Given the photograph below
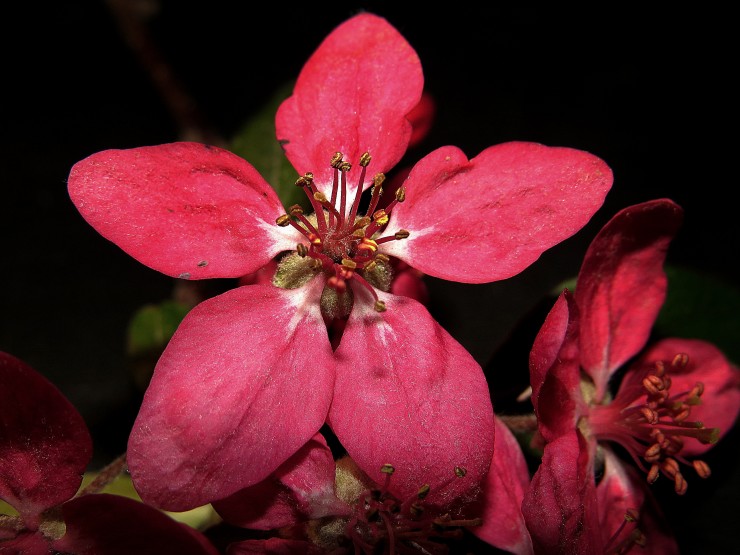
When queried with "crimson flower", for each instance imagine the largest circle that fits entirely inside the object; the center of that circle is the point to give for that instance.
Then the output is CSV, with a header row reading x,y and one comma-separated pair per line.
x,y
250,376
44,449
657,415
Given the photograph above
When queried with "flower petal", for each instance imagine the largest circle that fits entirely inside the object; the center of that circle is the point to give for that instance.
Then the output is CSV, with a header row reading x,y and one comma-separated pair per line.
x,y
409,395
721,379
555,371
273,546
560,505
503,492
184,209
352,96
489,218
44,442
621,286
244,383
116,525
301,489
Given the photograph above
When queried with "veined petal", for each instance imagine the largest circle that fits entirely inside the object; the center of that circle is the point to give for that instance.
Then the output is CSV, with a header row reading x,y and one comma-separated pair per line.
x,y
44,442
352,96
185,209
116,525
489,218
244,383
301,489
560,505
409,395
503,492
555,371
621,286
720,402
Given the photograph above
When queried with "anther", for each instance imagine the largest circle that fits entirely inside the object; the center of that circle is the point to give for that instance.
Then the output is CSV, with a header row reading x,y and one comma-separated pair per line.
x,y
321,197
679,484
460,472
401,234
416,510
296,210
380,217
358,233
653,474
382,257
336,160
652,451
301,249
368,245
349,263
401,194
378,179
362,222
345,166
283,220
379,306
423,491
631,515
650,416
702,469
365,159
370,266
680,361
387,468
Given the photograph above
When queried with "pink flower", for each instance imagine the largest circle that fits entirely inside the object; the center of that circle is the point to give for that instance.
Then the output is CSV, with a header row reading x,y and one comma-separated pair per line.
x,y
661,414
250,376
44,449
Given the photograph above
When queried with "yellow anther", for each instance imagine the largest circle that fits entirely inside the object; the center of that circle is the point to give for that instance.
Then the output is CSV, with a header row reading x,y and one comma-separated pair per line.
x,y
423,491
387,469
370,266
367,245
336,160
321,197
349,263
460,472
358,233
382,257
401,234
315,239
400,194
345,166
296,210
301,182
378,179
301,249
365,159
379,306
283,220
380,217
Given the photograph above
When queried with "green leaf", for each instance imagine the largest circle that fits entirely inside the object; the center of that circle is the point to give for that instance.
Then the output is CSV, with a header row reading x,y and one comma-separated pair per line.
x,y
257,143
701,306
152,326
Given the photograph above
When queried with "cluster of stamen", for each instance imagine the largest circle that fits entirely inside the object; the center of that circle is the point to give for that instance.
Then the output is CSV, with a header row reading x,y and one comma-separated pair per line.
x,y
627,536
653,431
344,244
384,524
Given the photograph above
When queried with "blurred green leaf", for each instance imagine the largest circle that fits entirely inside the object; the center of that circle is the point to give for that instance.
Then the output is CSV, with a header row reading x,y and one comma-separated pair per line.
x,y
701,306
257,143
152,326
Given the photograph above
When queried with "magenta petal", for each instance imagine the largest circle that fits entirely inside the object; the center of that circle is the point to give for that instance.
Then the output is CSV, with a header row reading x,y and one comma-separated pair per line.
x,y
301,489
409,395
44,442
555,371
503,492
244,383
185,209
273,546
560,505
104,524
489,218
352,96
621,286
721,379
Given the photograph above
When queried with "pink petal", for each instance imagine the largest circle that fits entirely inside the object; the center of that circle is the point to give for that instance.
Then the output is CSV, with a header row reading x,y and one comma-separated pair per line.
x,y
489,218
409,395
184,209
421,118
621,286
302,489
555,371
352,96
244,383
25,543
107,524
560,505
503,493
44,442
273,546
721,398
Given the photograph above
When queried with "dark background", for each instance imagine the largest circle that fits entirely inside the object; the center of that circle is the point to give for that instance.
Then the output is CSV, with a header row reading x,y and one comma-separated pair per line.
x,y
651,92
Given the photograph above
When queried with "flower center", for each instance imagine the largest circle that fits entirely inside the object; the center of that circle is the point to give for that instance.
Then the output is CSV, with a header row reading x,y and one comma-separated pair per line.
x,y
382,523
651,422
339,241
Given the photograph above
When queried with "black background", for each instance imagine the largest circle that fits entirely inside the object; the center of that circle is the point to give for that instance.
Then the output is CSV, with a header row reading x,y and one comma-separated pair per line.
x,y
651,92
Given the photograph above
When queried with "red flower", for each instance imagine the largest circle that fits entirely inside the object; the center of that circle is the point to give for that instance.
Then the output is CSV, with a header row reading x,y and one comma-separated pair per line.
x,y
250,376
656,415
44,449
